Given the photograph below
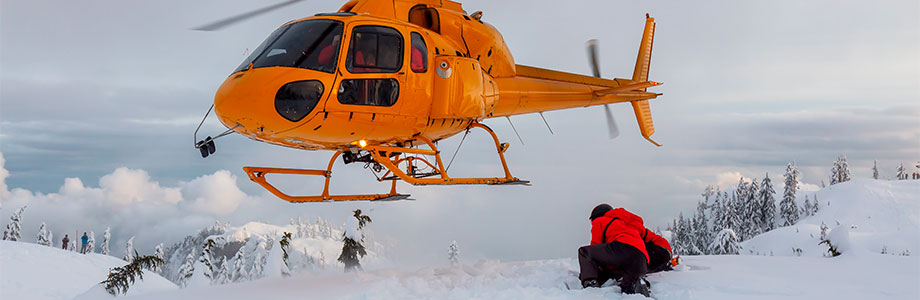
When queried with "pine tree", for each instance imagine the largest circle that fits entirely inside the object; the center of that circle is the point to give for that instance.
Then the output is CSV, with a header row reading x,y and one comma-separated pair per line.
x,y
453,254
13,230
258,261
752,210
767,204
105,241
42,237
238,271
158,252
353,249
840,172
129,250
223,275
816,205
702,233
91,243
835,172
726,242
874,169
902,173
207,258
789,210
285,244
806,208
186,270
121,278
718,213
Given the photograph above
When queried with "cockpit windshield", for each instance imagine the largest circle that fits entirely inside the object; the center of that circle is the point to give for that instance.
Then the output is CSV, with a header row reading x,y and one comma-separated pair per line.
x,y
310,44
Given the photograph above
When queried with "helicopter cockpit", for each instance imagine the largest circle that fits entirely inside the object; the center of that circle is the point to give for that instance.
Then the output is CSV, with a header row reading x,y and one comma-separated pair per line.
x,y
311,44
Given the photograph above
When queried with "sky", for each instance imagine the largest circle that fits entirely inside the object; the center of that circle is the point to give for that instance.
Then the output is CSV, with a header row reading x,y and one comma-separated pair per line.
x,y
99,101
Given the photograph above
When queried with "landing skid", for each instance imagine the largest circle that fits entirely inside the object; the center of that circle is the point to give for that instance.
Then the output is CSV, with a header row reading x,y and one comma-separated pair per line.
x,y
391,158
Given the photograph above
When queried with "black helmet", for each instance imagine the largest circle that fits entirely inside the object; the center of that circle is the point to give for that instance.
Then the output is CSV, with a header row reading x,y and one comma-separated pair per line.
x,y
600,210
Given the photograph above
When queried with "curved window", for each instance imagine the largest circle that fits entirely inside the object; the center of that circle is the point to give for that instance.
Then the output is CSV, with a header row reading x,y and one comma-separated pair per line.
x,y
311,44
374,92
374,49
419,58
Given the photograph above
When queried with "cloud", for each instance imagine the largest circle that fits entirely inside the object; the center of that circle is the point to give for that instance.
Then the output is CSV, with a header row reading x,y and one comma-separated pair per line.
x,y
216,194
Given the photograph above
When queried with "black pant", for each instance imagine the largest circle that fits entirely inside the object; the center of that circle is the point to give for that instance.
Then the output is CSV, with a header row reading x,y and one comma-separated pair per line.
x,y
659,258
605,261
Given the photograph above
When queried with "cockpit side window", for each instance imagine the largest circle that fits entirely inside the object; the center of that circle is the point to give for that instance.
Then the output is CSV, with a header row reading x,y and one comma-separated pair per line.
x,y
419,57
374,49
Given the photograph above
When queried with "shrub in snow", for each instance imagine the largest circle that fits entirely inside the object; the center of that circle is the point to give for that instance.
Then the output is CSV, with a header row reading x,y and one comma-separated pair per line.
x,y
837,241
121,278
453,253
353,249
13,230
43,237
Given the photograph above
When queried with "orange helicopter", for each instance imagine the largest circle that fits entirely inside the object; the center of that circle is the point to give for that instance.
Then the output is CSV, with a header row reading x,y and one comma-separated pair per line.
x,y
381,81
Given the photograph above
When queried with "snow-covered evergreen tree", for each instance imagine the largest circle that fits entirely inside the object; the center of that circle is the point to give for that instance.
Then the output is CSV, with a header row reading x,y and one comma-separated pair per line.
x,y
186,270
238,269
129,250
207,259
353,248
106,237
875,169
752,211
902,173
223,275
806,208
702,233
13,230
840,172
726,242
767,204
816,205
91,244
285,244
158,252
42,238
453,253
274,263
788,209
258,261
718,213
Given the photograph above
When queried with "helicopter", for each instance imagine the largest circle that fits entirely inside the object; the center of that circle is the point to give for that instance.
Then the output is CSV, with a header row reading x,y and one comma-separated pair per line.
x,y
380,82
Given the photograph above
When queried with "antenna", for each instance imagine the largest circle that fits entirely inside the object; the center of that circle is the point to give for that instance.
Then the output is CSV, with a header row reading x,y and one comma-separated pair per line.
x,y
515,129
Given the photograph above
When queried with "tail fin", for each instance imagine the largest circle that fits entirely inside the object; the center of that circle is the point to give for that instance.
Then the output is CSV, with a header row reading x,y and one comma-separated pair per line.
x,y
640,74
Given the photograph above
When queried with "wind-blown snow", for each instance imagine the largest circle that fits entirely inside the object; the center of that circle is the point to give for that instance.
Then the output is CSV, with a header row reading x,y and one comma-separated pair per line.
x,y
35,272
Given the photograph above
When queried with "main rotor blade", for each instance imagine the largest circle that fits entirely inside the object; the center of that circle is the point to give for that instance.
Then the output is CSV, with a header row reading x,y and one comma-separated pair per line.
x,y
235,19
592,57
611,123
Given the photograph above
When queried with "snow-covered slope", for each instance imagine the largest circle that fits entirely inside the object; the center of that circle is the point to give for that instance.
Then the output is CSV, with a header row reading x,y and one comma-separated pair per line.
x,y
876,214
35,272
704,277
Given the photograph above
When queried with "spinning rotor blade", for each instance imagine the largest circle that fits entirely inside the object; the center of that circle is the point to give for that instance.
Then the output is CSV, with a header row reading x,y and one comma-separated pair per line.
x,y
241,17
612,128
592,57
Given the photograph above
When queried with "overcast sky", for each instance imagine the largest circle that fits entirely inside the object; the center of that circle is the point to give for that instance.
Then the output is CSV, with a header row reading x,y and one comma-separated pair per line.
x,y
108,93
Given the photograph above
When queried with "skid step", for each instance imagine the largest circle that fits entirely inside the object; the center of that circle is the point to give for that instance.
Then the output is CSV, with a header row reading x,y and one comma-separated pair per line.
x,y
395,198
515,182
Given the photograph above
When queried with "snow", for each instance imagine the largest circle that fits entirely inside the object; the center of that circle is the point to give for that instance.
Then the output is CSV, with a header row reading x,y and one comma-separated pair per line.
x,y
35,272
870,214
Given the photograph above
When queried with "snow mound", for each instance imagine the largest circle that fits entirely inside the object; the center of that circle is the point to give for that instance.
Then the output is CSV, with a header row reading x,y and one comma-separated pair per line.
x,y
35,272
865,215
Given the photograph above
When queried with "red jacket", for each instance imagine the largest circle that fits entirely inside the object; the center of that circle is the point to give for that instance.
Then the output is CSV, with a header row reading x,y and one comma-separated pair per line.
x,y
650,237
621,226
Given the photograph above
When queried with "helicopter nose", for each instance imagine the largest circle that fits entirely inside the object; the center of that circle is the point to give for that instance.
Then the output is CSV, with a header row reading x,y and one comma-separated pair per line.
x,y
267,101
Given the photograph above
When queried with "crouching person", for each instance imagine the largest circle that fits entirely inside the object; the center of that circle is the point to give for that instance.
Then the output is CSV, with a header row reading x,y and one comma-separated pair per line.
x,y
659,252
616,251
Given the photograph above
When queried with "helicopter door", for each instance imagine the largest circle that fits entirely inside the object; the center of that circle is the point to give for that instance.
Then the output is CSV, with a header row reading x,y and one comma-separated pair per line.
x,y
458,88
374,70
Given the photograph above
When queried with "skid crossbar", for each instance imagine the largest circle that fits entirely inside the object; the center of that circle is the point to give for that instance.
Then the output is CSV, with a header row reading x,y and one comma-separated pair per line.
x,y
257,174
380,155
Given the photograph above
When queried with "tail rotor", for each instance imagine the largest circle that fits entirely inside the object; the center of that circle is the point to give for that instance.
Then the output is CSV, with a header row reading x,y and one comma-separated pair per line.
x,y
612,128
